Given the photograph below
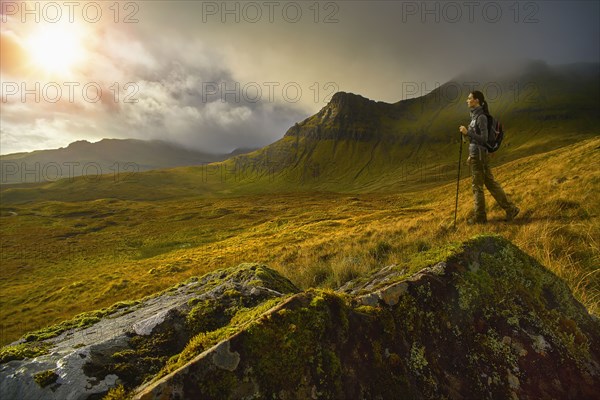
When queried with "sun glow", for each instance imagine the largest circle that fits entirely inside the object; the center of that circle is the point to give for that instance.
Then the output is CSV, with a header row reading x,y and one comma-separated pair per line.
x,y
56,48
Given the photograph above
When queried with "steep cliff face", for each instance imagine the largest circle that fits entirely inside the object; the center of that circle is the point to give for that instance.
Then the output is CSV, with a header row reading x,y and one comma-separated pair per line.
x,y
483,321
486,323
347,116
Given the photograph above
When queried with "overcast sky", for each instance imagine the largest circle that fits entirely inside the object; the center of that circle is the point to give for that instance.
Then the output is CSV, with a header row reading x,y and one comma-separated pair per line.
x,y
221,75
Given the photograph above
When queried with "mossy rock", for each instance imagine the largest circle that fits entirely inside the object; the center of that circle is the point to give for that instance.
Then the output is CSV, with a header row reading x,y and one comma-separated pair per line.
x,y
45,378
22,351
219,297
486,321
130,343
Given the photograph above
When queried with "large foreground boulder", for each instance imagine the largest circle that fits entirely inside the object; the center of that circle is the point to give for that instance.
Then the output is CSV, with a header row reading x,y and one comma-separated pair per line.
x,y
484,322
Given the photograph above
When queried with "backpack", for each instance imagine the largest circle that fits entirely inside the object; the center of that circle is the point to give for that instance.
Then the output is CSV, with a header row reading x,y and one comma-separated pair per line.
x,y
495,133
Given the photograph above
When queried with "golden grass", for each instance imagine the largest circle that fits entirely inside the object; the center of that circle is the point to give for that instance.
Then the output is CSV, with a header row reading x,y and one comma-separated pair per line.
x,y
60,259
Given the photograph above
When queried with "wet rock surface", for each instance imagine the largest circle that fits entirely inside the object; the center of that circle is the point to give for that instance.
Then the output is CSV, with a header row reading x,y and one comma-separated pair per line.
x,y
136,340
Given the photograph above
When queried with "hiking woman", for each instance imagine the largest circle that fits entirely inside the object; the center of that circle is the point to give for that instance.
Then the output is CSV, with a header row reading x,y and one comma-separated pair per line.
x,y
481,172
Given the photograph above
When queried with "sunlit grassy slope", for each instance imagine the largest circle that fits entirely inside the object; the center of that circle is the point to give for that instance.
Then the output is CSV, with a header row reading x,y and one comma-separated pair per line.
x,y
60,258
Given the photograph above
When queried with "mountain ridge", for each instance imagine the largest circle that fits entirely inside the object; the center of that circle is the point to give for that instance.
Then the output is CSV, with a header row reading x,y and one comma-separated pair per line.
x,y
346,116
106,156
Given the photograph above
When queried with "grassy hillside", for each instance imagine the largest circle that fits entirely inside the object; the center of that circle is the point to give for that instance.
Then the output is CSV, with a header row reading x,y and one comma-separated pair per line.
x,y
62,258
355,144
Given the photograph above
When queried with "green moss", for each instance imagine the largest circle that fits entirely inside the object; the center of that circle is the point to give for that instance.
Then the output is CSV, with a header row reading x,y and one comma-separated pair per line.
x,y
212,320
45,378
207,339
207,315
304,337
429,257
88,321
498,349
467,295
146,356
414,263
220,386
377,351
510,270
232,293
317,301
417,360
255,282
22,351
369,310
274,280
329,370
82,320
117,393
193,301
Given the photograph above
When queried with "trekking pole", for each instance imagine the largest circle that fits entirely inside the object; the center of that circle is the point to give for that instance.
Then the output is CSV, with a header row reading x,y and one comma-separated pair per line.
x,y
458,178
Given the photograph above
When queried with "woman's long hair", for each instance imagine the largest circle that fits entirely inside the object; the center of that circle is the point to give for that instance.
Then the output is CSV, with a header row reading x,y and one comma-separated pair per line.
x,y
479,96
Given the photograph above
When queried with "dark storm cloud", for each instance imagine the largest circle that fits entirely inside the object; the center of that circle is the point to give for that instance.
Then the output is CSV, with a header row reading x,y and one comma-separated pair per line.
x,y
200,104
376,48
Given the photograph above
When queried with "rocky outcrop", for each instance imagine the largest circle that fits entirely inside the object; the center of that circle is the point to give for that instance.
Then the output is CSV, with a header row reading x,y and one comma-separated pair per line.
x,y
130,342
347,116
485,322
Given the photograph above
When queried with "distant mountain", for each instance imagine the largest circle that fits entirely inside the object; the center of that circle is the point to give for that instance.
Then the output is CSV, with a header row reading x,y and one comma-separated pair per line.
x,y
242,150
108,156
354,144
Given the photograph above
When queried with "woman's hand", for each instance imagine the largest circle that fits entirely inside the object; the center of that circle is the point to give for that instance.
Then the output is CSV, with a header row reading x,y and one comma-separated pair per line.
x,y
462,129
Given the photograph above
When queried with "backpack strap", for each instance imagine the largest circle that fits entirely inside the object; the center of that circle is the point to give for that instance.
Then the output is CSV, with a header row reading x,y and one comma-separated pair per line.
x,y
477,130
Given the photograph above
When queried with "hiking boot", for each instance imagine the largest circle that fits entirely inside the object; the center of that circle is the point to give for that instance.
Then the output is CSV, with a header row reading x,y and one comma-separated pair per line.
x,y
512,213
477,220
